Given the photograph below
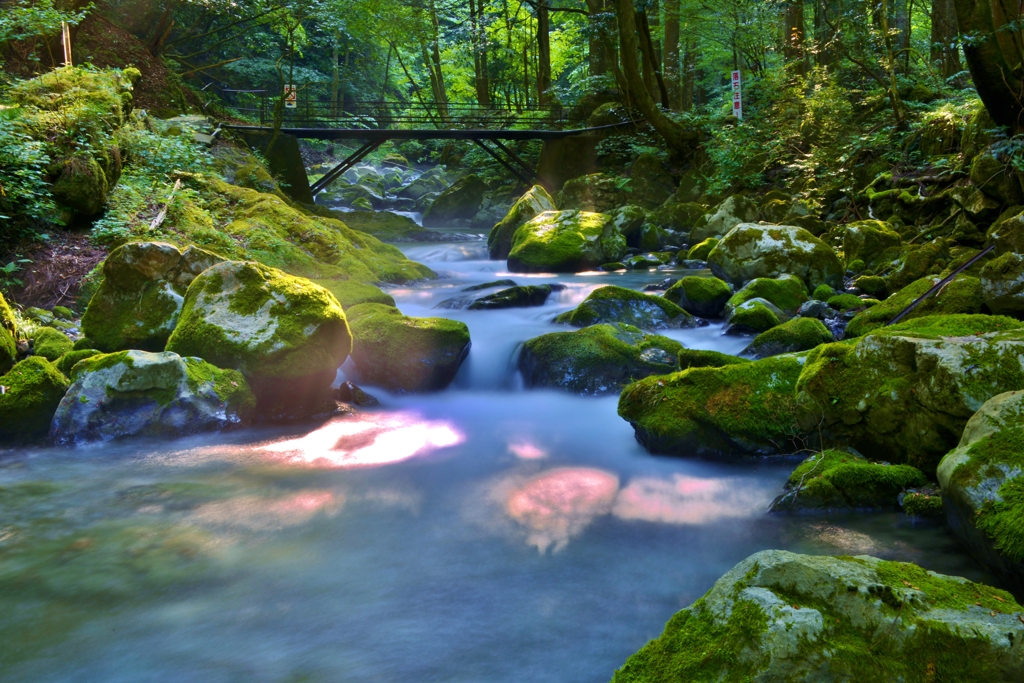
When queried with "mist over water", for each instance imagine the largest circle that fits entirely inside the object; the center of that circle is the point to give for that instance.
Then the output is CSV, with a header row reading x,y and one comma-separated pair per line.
x,y
483,533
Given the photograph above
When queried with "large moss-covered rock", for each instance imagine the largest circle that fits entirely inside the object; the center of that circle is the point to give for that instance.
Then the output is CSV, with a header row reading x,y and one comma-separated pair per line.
x,y
737,409
780,616
754,316
679,215
630,221
351,293
798,334
565,241
750,251
904,393
49,343
8,336
596,360
404,354
535,202
459,202
138,302
137,393
702,358
613,304
726,216
650,184
962,295
1002,284
868,241
786,293
285,334
32,390
701,296
1007,233
994,175
596,192
983,488
836,480
67,362
701,251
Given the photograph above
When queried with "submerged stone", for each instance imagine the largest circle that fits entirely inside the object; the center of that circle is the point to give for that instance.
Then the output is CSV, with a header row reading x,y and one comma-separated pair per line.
x,y
613,304
137,393
515,297
596,360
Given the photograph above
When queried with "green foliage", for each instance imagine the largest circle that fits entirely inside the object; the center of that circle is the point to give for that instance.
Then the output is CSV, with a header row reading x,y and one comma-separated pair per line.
x,y
29,20
25,199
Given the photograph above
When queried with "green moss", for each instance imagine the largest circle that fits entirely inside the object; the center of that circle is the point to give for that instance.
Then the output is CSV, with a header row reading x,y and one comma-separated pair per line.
x,y
919,504
34,389
49,343
835,479
66,362
535,202
699,252
229,385
351,293
520,296
798,334
384,225
699,358
753,316
565,241
618,304
703,296
847,302
962,295
823,293
748,407
8,335
939,326
785,292
870,284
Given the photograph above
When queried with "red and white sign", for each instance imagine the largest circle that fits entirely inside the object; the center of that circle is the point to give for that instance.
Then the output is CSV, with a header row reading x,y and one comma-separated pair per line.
x,y
737,95
291,97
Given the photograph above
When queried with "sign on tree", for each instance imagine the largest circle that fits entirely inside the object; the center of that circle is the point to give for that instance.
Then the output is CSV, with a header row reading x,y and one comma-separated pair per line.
x,y
291,97
737,96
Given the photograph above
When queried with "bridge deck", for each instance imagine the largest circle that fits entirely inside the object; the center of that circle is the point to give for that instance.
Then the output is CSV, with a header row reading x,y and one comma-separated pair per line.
x,y
422,134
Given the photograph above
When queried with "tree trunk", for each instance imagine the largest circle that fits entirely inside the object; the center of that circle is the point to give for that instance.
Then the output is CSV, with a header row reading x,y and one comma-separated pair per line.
x,y
598,38
793,48
672,54
543,55
688,90
335,77
478,43
993,59
824,34
944,49
162,31
647,49
437,75
679,140
901,23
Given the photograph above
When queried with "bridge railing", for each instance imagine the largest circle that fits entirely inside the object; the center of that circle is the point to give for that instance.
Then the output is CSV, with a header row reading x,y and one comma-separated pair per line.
x,y
314,113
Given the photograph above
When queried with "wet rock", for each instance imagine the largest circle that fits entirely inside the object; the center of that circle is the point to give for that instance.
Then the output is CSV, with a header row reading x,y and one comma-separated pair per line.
x,y
138,303
404,354
565,241
745,409
286,334
515,297
753,316
700,252
815,309
490,285
835,480
350,393
701,296
386,226
1002,285
925,501
137,393
661,286
596,360
798,334
780,616
596,192
29,396
49,343
981,485
701,358
620,305
726,216
962,295
904,393
429,183
535,202
785,293
643,261
750,251
459,202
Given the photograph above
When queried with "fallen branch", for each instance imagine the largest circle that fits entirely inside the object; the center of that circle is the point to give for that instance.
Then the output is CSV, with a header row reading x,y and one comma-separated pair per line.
x,y
163,212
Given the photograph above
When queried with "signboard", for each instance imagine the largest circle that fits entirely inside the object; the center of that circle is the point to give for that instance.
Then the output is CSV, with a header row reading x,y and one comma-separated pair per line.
x,y
291,96
737,96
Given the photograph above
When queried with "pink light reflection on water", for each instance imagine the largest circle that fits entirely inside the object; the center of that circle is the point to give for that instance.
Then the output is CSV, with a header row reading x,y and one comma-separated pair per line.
x,y
526,450
367,441
684,500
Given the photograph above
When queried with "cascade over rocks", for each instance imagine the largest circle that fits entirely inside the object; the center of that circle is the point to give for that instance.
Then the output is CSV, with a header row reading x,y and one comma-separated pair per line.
x,y
596,360
535,202
460,202
138,303
137,393
751,250
781,616
613,304
404,354
565,242
286,334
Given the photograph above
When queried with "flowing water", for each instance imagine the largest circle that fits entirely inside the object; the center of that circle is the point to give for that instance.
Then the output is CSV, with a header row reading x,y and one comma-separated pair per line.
x,y
484,533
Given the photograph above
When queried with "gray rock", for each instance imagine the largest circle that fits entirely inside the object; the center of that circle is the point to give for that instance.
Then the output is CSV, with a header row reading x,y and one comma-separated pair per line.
x,y
726,216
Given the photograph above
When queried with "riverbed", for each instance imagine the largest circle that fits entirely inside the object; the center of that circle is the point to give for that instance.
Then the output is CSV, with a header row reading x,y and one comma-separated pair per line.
x,y
483,533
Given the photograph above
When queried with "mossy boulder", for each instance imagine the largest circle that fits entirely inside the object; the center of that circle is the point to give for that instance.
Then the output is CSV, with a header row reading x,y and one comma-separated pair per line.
x,y
597,192
1007,233
780,616
385,225
679,215
904,393
613,304
1002,285
49,343
68,361
565,241
849,302
650,183
287,335
798,334
754,316
460,202
872,285
724,217
514,297
138,302
702,358
535,202
700,296
596,360
629,221
869,241
982,486
962,295
138,393
993,173
700,252
351,293
751,250
786,293
8,336
32,390
917,261
744,409
404,354
836,480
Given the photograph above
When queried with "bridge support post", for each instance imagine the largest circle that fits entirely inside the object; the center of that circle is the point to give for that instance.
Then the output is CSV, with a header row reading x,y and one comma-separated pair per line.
x,y
566,158
350,161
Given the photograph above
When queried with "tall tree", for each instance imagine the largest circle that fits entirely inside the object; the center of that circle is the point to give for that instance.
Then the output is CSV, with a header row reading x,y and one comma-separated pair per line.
x,y
478,43
672,81
944,50
994,56
793,48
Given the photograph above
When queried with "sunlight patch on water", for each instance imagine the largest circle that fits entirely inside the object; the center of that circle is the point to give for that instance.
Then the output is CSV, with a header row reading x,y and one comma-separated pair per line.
x,y
258,513
526,450
367,441
685,500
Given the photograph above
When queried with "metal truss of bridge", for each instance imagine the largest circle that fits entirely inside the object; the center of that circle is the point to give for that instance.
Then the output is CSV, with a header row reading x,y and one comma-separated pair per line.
x,y
378,122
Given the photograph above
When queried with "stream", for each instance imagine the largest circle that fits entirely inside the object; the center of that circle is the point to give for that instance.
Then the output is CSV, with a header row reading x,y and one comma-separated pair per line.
x,y
483,533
